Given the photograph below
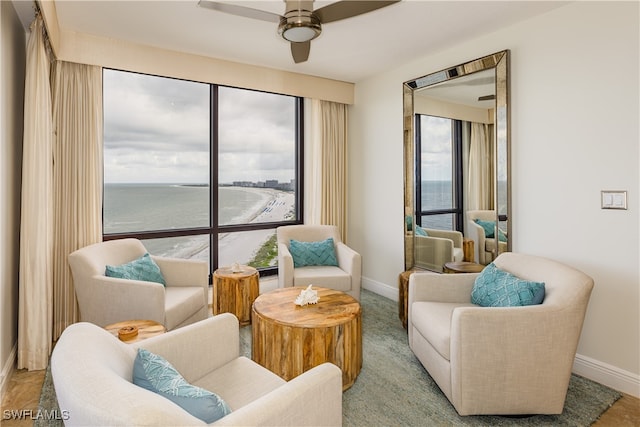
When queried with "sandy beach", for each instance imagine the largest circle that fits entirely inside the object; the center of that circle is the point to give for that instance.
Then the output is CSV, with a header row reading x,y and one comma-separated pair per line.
x,y
241,247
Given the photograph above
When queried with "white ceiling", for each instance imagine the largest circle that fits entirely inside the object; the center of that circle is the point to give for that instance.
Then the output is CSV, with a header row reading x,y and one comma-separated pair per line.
x,y
349,50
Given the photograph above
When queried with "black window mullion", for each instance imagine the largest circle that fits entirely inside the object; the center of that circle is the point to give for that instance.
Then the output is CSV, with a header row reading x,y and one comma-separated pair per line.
x,y
213,177
458,175
418,170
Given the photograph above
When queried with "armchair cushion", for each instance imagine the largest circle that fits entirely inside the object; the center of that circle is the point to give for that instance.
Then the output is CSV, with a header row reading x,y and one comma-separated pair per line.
x,y
313,253
155,373
498,288
143,268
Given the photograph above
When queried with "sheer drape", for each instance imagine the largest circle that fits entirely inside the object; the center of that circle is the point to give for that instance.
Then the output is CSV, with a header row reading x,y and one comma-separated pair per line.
x,y
481,176
332,162
36,224
77,118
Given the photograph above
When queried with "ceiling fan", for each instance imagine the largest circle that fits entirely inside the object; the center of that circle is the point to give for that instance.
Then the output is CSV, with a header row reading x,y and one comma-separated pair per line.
x,y
300,23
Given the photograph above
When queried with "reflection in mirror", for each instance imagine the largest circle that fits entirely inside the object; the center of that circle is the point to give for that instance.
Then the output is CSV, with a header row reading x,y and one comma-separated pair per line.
x,y
456,142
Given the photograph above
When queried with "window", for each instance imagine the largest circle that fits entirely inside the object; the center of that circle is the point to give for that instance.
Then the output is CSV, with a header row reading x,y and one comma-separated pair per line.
x,y
187,164
438,173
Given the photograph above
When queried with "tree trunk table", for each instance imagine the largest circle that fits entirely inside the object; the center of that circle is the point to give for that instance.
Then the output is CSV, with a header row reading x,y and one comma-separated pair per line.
x,y
146,329
289,339
234,292
463,267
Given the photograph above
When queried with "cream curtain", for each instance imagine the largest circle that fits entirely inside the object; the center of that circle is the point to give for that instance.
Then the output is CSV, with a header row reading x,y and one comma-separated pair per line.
x,y
330,171
36,224
481,168
77,181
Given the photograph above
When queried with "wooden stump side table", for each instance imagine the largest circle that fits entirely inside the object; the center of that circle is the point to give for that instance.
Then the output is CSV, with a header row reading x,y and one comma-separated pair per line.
x,y
234,292
463,267
403,296
289,339
146,329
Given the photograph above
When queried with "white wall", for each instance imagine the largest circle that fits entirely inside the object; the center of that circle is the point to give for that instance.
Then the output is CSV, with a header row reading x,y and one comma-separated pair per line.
x,y
12,60
575,132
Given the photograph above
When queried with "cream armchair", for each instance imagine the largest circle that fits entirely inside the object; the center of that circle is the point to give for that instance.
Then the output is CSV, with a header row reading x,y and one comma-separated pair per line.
x,y
345,277
92,375
104,300
437,248
503,360
485,248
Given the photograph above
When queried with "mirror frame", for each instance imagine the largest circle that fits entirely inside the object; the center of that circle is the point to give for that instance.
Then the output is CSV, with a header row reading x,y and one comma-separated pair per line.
x,y
498,61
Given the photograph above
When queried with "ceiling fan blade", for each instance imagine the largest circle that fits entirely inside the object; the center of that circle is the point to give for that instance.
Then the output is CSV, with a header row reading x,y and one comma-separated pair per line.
x,y
348,8
300,51
246,12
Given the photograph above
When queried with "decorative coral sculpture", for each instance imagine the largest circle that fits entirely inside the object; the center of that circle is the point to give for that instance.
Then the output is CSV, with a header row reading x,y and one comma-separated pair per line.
x,y
307,296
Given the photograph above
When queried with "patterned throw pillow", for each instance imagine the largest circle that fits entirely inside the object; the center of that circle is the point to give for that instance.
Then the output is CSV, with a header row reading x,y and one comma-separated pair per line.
x,y
156,374
143,268
498,288
313,253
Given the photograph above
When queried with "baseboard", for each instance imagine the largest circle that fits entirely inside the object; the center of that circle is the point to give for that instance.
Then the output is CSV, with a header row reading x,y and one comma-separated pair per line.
x,y
380,288
595,370
7,371
611,376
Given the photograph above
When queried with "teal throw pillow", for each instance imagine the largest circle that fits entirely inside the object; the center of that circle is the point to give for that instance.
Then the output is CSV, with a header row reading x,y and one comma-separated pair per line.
x,y
313,253
155,373
408,220
489,229
421,231
143,268
498,288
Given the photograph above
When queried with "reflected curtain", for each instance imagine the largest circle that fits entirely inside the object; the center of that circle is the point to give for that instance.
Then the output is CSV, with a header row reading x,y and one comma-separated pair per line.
x,y
36,223
481,168
77,119
331,166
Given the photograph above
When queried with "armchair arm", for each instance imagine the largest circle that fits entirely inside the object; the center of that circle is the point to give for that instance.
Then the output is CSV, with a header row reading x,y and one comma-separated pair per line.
x,y
348,259
455,288
537,346
285,266
453,235
433,252
289,405
184,272
136,300
200,347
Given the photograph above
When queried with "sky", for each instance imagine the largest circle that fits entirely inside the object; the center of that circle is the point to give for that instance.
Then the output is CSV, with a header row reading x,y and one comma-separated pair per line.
x,y
156,130
436,161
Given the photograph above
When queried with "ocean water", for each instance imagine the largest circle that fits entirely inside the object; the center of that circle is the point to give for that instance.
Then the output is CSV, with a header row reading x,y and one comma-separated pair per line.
x,y
438,195
152,207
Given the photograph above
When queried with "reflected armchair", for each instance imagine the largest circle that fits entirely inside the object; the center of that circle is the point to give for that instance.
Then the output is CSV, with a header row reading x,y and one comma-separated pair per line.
x,y
437,247
344,277
484,247
105,300
499,360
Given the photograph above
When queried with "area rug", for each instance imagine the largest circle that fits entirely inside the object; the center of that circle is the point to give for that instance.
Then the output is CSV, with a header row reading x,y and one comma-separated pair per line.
x,y
393,389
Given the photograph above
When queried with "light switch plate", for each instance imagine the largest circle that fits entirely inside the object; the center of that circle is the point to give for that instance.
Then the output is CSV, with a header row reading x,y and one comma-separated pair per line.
x,y
613,199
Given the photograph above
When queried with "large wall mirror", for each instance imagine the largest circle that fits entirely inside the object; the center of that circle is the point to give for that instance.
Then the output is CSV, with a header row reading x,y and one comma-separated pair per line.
x,y
456,164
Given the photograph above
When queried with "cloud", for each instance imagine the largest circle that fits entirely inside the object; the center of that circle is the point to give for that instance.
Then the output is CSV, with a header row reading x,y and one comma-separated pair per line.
x,y
158,129
436,160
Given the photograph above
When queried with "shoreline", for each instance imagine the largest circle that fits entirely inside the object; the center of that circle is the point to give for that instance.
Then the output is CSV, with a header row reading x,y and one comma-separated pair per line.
x,y
241,247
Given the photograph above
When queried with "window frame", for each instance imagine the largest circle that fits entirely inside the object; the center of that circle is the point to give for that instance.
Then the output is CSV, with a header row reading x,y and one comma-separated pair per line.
x,y
214,228
457,175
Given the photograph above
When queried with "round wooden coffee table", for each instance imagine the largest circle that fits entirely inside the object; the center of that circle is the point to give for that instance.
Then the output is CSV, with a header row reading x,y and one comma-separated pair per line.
x,y
463,267
146,329
235,291
289,339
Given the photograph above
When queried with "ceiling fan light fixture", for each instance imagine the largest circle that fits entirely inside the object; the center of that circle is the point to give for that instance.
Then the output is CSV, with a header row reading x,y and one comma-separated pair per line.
x,y
299,26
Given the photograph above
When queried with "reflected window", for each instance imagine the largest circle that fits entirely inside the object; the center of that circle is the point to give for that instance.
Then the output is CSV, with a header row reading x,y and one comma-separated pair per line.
x,y
438,173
